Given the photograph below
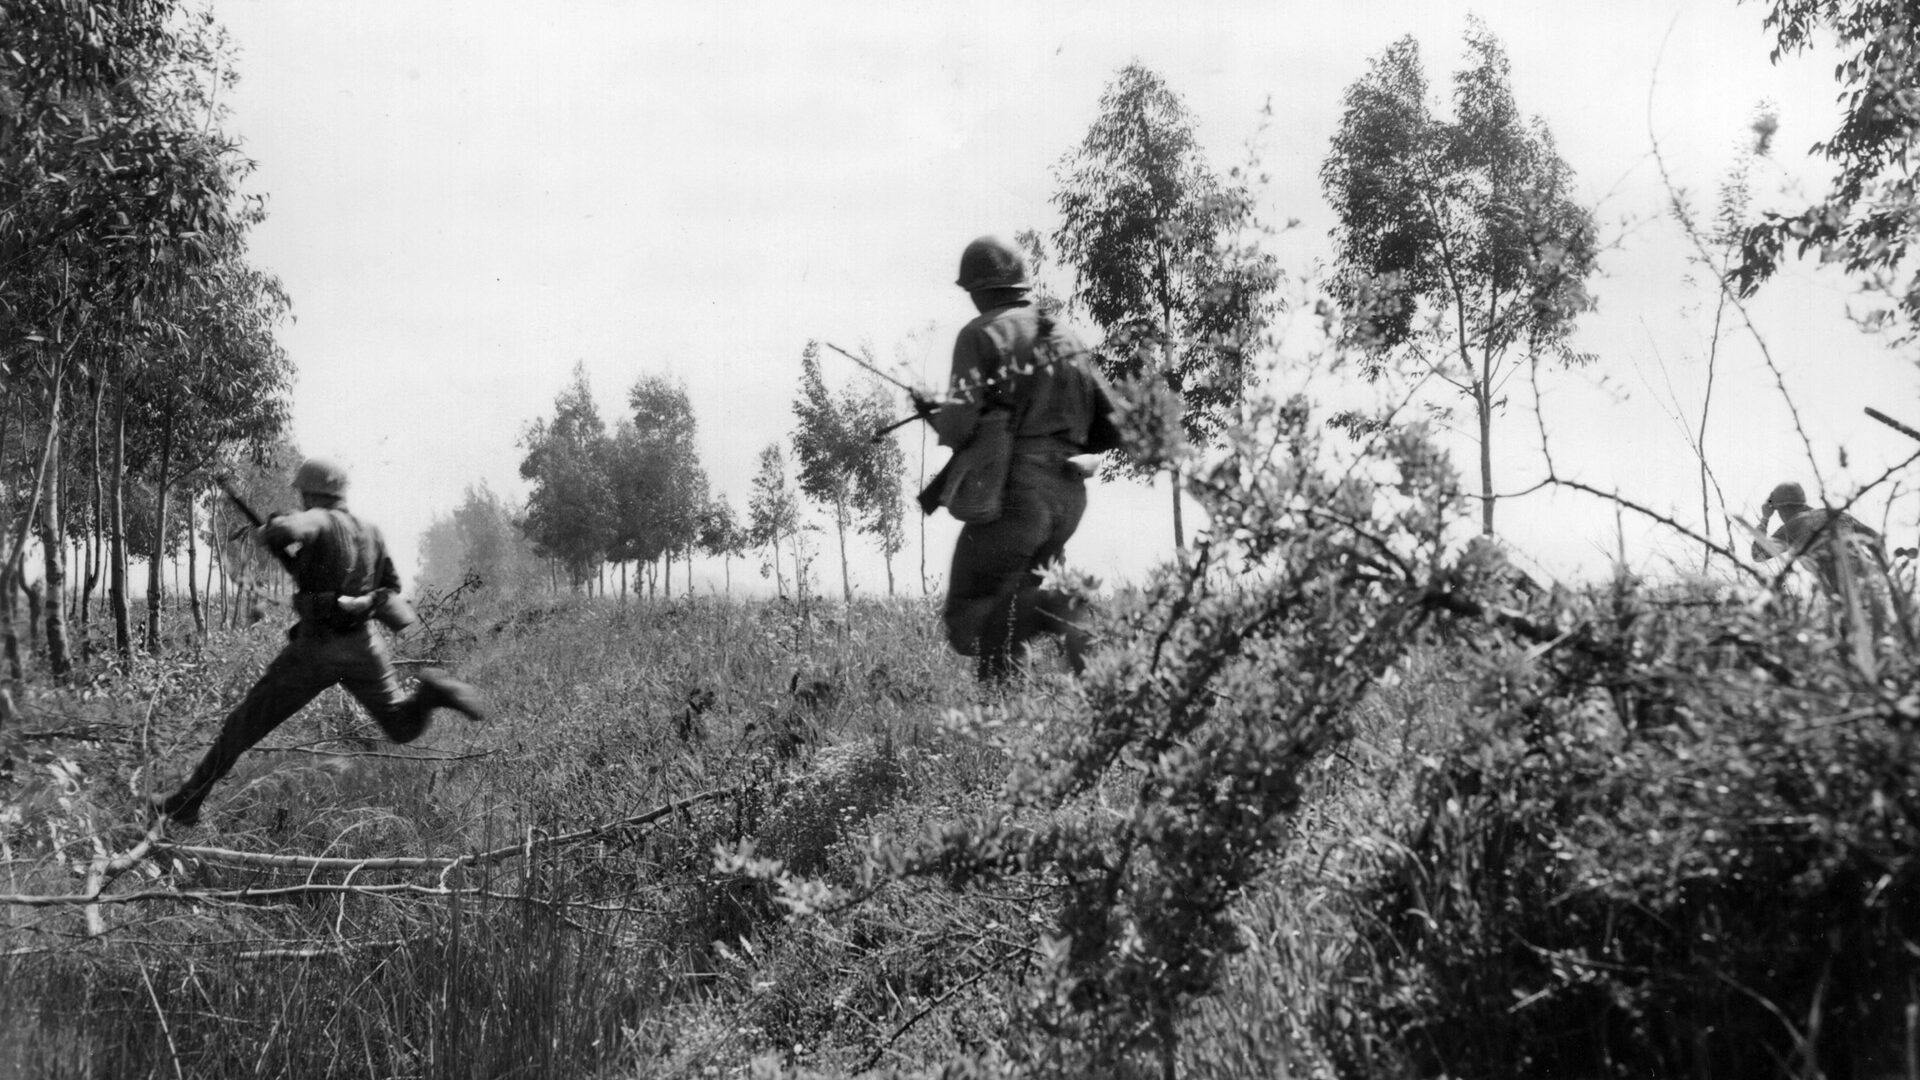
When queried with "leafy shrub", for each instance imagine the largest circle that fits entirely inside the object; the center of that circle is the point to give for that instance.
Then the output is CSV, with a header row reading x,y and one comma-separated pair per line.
x,y
1166,790
1679,840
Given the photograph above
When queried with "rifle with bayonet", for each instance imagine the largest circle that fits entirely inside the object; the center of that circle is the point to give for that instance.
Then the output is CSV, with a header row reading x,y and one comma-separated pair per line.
x,y
923,409
389,607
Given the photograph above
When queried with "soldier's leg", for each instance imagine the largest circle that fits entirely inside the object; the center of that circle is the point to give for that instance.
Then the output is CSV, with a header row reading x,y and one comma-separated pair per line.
x,y
294,678
1063,499
366,670
991,564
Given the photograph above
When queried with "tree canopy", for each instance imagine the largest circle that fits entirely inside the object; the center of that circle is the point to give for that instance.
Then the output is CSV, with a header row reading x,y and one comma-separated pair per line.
x,y
1149,229
1865,221
1461,251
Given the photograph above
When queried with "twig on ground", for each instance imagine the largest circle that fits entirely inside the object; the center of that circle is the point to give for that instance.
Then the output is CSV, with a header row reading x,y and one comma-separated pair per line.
x,y
106,868
880,1051
166,1029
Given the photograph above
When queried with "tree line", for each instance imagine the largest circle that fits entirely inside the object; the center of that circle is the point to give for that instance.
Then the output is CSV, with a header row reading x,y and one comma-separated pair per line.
x,y
634,501
138,355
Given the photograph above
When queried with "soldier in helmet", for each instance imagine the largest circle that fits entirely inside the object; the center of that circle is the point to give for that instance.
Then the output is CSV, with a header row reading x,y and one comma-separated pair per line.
x,y
344,580
1822,536
1058,409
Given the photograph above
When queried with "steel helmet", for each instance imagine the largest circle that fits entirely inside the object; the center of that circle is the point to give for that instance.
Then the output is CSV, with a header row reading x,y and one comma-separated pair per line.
x,y
992,263
319,476
1788,494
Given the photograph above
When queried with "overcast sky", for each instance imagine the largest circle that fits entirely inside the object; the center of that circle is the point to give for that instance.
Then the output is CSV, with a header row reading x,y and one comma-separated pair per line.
x,y
468,198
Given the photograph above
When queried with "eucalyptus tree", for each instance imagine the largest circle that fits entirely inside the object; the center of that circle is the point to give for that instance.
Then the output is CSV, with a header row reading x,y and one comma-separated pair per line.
x,y
722,536
671,482
217,384
773,512
117,186
569,515
478,541
1866,220
879,497
1462,252
839,457
1153,235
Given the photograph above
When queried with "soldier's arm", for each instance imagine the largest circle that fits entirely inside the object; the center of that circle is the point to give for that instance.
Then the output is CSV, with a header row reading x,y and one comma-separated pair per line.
x,y
285,530
960,414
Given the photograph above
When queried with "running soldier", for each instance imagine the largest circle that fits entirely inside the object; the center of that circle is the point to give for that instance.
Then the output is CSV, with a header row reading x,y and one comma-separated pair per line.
x,y
345,581
1057,410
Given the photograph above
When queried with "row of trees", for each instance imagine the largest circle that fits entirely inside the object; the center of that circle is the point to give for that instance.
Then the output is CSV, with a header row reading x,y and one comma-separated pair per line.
x,y
638,494
635,495
1461,254
1462,258
137,343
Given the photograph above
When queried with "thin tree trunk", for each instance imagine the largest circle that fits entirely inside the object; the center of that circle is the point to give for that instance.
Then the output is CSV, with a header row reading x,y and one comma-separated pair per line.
x,y
217,559
59,657
36,596
1166,360
156,586
1179,533
1484,406
9,644
925,585
15,555
193,565
9,638
117,533
84,615
840,525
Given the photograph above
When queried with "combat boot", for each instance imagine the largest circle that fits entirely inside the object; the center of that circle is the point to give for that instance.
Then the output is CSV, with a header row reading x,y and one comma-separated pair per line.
x,y
439,690
170,808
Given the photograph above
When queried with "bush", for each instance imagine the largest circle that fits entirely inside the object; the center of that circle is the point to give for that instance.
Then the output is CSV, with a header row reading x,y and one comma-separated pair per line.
x,y
1679,842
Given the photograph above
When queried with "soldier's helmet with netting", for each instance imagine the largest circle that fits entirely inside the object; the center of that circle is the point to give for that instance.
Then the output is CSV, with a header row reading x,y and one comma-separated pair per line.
x,y
320,476
992,263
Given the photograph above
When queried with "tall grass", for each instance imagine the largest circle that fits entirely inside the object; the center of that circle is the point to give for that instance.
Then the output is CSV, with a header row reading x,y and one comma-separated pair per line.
x,y
1674,839
574,960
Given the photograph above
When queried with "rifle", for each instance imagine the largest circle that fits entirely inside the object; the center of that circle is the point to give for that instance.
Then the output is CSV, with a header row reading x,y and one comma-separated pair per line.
x,y
239,502
385,605
1892,423
916,395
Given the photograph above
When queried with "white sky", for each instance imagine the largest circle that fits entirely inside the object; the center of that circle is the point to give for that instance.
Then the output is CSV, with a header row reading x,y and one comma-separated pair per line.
x,y
467,198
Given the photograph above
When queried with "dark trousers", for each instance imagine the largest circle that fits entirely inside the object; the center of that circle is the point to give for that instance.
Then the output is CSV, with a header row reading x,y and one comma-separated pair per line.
x,y
314,658
995,604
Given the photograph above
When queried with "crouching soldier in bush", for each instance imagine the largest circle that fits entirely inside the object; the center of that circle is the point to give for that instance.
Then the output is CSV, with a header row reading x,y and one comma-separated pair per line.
x,y
1837,546
1016,377
344,582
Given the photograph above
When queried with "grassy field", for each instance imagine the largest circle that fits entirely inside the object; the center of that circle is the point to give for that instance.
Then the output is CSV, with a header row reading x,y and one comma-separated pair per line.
x,y
580,885
620,950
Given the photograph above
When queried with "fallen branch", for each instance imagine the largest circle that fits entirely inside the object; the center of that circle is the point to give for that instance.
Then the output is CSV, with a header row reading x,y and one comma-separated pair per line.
x,y
105,869
317,752
952,992
253,894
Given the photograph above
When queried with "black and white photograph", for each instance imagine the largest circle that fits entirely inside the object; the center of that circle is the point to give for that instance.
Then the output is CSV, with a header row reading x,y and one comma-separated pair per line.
x,y
919,541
